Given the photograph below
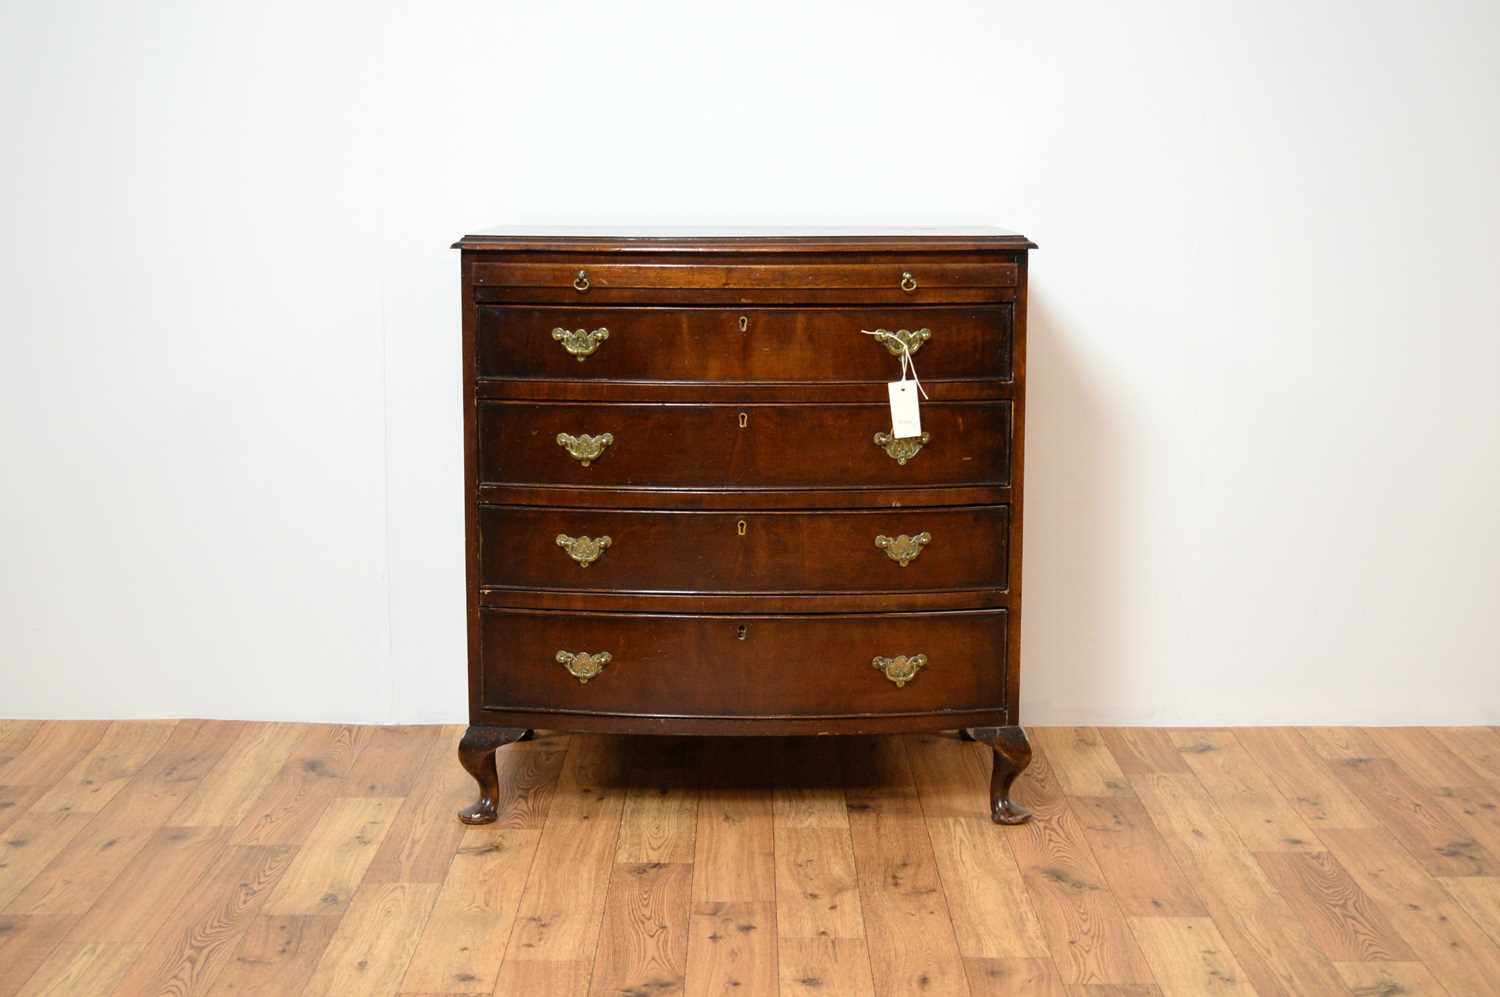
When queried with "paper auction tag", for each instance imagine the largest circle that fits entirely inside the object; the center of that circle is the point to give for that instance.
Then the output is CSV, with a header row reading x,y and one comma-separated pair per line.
x,y
906,420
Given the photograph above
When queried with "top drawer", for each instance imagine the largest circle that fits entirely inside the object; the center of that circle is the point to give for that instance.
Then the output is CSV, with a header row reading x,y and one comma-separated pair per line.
x,y
586,279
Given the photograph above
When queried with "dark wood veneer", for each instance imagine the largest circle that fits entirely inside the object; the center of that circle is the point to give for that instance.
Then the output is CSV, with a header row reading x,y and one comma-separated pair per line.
x,y
565,278
751,344
737,665
704,445
742,590
744,552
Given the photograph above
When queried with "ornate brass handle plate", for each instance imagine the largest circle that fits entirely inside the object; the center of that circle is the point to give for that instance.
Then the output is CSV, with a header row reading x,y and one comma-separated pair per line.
x,y
582,665
580,343
901,549
901,449
585,448
902,340
584,550
901,669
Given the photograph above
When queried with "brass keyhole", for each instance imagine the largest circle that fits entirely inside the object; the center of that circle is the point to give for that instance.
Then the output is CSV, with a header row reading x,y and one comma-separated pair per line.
x,y
741,527
744,322
739,632
744,419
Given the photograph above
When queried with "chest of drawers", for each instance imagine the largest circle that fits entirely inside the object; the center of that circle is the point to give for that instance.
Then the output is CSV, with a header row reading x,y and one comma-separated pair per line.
x,y
685,510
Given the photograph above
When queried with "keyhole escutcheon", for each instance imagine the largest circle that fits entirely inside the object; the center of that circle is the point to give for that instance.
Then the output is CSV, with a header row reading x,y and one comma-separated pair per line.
x,y
741,527
744,322
744,419
739,632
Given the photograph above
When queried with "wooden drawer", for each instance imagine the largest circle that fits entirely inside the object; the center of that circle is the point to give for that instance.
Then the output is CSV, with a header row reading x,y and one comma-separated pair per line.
x,y
918,279
742,344
744,552
737,666
782,446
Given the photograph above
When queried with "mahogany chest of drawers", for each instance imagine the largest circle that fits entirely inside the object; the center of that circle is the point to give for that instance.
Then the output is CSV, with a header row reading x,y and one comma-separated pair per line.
x,y
686,512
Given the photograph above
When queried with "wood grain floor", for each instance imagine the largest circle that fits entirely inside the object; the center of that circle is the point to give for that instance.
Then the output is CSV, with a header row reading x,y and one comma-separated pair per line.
x,y
232,858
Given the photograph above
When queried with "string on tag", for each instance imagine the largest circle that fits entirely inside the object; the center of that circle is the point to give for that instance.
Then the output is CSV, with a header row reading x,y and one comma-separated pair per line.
x,y
907,360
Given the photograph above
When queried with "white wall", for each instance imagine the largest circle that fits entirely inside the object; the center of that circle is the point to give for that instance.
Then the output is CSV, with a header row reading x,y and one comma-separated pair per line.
x,y
1264,454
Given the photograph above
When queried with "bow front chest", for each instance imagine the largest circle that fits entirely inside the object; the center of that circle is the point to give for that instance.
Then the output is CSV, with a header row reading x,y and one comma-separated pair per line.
x,y
686,508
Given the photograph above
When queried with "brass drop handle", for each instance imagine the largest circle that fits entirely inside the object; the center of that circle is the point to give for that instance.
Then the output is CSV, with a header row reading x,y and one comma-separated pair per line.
x,y
582,665
901,549
901,669
908,282
584,448
580,343
901,448
900,341
581,282
584,550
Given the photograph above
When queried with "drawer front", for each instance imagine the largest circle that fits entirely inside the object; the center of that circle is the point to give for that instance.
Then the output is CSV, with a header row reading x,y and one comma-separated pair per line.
x,y
576,279
738,666
752,552
743,344
740,446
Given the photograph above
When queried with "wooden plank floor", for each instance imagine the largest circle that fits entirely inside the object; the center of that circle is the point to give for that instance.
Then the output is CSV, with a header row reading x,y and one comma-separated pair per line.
x,y
236,858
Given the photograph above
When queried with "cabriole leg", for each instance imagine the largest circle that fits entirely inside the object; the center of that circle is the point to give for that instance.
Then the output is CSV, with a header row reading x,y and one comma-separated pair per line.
x,y
1012,755
476,753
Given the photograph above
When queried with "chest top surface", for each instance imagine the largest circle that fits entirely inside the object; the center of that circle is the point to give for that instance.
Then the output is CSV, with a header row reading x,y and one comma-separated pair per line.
x,y
752,238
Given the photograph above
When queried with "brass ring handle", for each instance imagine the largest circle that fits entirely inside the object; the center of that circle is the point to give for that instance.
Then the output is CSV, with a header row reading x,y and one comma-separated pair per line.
x,y
581,282
901,549
901,669
580,343
898,342
582,665
585,448
903,448
908,282
584,550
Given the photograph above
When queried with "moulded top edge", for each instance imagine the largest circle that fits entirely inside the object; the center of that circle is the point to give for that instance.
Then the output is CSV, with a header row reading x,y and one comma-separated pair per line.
x,y
742,238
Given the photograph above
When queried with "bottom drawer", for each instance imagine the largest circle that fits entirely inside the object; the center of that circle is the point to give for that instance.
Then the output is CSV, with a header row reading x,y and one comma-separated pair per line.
x,y
742,666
